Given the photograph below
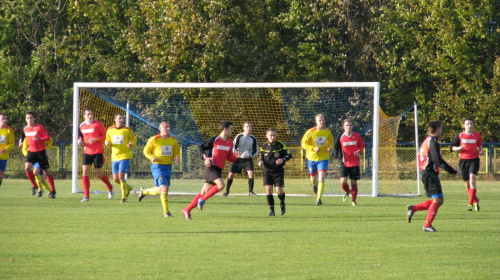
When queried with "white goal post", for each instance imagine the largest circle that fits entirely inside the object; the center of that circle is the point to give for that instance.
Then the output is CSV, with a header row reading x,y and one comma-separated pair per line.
x,y
375,86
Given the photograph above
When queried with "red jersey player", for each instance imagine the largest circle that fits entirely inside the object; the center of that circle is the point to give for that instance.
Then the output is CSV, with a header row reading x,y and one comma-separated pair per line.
x,y
36,135
349,147
429,162
91,135
470,145
214,152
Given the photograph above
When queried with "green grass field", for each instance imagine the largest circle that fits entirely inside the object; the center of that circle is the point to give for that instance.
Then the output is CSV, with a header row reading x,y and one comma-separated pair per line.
x,y
232,238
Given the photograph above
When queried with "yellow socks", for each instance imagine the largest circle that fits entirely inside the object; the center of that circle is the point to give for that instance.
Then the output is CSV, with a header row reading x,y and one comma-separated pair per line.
x,y
321,187
164,202
151,191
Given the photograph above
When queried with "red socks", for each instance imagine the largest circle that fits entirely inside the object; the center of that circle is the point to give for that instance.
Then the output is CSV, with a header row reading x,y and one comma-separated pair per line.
x,y
31,177
105,180
50,179
354,193
211,192
422,206
86,186
345,187
431,214
472,196
193,203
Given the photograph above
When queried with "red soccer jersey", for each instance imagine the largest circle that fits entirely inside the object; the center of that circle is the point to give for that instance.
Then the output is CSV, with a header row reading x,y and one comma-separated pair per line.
x,y
220,151
36,131
349,146
93,130
470,142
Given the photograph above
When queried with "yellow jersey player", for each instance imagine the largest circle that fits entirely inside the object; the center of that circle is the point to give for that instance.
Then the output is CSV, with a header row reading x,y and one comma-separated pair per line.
x,y
162,150
121,139
7,142
318,142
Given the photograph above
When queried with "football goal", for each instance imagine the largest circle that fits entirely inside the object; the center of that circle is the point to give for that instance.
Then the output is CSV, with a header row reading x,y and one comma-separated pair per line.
x,y
194,111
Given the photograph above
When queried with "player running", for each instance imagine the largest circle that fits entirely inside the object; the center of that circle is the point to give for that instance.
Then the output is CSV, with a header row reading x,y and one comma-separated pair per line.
x,y
121,139
161,150
214,152
317,142
40,178
349,147
37,136
470,145
91,135
430,161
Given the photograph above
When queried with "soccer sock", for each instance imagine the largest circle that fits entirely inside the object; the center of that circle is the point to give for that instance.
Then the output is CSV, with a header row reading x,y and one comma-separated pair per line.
x,y
282,199
250,184
472,195
354,192
86,186
229,183
431,214
422,206
151,191
106,181
50,179
193,203
31,177
321,188
1,178
38,180
124,187
270,202
164,202
46,185
211,192
345,187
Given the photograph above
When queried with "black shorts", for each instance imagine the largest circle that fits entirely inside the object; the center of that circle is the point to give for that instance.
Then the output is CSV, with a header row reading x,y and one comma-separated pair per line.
x,y
432,184
41,157
97,159
240,164
351,172
212,173
469,166
274,177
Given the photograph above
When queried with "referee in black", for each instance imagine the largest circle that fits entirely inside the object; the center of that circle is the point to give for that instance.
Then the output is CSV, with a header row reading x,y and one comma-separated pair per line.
x,y
273,156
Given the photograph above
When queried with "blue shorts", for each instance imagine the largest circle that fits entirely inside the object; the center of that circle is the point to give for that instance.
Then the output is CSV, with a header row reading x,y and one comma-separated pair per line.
x,y
315,166
161,174
37,165
120,166
3,164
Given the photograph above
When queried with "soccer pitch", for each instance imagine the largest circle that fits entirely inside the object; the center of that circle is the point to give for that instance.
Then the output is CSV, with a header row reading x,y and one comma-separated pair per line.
x,y
233,238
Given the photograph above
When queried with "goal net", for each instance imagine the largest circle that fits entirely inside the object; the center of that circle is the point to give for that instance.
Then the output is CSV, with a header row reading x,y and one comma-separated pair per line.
x,y
194,111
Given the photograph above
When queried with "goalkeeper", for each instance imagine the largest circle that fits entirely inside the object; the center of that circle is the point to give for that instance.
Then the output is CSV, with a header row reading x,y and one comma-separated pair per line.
x,y
247,144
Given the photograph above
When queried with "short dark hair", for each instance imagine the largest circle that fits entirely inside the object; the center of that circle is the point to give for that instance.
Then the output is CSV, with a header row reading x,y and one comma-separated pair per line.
x,y
225,124
434,125
3,114
271,129
117,114
87,109
467,119
31,113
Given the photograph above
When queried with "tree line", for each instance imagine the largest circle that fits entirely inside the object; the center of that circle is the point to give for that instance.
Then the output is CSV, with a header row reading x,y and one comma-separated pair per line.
x,y
444,55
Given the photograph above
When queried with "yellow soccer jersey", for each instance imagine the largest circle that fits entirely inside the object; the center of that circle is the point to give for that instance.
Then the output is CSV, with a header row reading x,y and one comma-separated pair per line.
x,y
48,146
165,149
7,141
119,138
317,137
